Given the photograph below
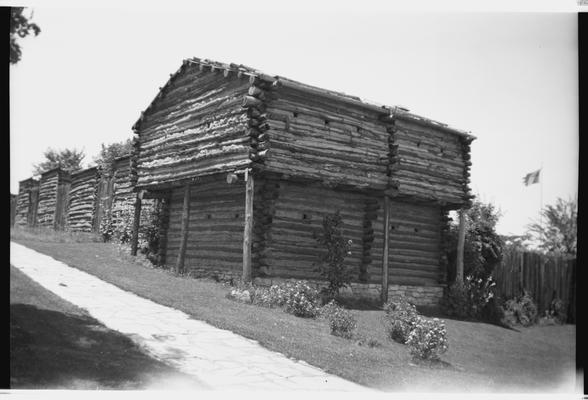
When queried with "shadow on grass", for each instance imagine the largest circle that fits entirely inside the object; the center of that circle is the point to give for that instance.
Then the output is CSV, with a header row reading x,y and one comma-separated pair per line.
x,y
50,349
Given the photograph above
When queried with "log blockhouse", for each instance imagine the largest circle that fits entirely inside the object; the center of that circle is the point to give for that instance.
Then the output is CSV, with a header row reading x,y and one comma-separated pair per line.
x,y
249,165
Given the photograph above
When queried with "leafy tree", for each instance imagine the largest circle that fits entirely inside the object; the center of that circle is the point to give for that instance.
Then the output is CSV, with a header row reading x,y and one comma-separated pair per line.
x,y
483,246
110,152
516,242
559,230
68,159
19,27
332,265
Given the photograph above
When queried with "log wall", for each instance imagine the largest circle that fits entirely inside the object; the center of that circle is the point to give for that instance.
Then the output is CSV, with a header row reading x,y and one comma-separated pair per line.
x,y
326,141
414,256
429,163
122,194
82,200
215,235
196,126
293,250
26,202
53,189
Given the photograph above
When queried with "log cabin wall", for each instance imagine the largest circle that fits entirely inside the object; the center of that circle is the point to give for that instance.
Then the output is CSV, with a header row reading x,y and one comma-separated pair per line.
x,y
82,200
415,244
326,140
50,197
215,235
298,212
429,163
195,126
26,202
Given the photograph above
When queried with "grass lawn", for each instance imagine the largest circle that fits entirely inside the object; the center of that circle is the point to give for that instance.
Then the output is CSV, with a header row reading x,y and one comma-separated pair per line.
x,y
56,345
481,357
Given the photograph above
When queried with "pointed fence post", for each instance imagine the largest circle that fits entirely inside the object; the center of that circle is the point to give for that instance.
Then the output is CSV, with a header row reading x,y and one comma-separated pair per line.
x,y
184,230
384,292
248,229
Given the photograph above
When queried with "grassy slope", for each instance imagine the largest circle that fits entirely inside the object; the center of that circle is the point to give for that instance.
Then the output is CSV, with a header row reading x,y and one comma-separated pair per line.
x,y
55,344
481,357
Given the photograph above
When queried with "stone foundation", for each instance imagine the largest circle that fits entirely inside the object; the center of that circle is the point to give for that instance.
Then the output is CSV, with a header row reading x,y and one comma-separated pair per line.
x,y
417,295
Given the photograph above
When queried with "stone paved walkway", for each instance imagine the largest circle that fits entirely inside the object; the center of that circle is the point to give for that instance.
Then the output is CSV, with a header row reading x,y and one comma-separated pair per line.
x,y
217,357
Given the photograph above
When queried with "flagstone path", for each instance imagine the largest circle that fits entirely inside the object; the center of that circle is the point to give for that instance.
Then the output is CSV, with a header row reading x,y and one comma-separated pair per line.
x,y
219,358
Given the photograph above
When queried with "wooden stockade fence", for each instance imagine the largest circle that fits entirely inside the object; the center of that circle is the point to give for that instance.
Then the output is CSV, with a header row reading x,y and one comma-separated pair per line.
x,y
545,277
80,201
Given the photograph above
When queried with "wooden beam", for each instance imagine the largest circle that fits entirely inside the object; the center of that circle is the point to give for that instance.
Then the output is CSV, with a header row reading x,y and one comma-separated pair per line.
x,y
248,229
460,246
136,223
184,230
384,293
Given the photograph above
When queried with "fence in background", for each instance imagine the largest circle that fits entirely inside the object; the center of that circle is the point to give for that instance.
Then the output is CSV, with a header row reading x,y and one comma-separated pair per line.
x,y
546,277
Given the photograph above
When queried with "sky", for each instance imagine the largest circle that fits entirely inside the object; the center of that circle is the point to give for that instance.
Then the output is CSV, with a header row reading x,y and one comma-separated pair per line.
x,y
511,79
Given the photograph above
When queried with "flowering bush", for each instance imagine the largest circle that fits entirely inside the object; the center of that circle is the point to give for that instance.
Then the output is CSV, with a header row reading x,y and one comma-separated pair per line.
x,y
342,322
521,310
301,300
296,298
400,319
469,299
428,339
274,296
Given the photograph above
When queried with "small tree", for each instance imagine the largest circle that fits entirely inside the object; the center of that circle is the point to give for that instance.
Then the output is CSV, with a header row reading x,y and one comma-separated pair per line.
x,y
332,265
559,230
110,152
69,160
483,246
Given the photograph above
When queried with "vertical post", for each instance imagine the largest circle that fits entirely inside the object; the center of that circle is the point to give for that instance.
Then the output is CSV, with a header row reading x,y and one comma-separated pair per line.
x,y
460,246
247,231
384,293
136,223
184,230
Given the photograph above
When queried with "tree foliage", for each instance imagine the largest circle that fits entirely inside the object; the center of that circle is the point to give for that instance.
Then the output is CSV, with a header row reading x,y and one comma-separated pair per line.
x,y
558,231
110,152
69,160
332,265
20,27
483,246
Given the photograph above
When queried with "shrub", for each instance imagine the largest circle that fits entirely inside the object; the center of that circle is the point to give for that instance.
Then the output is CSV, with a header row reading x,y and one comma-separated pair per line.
x,y
274,296
428,339
556,311
342,322
301,300
400,318
521,310
328,309
332,266
470,298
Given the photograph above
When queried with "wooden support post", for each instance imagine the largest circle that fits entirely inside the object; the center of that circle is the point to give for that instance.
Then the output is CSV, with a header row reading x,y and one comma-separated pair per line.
x,y
460,247
384,293
184,230
136,223
248,229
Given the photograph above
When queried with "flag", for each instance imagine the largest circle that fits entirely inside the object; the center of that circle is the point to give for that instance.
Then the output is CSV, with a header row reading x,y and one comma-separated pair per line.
x,y
531,178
